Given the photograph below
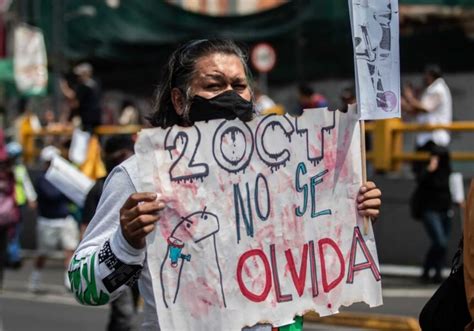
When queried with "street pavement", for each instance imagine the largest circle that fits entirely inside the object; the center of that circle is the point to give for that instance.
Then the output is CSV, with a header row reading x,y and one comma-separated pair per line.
x,y
54,308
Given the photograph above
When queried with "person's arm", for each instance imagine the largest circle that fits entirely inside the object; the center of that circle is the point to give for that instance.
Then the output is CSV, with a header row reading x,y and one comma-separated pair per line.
x,y
426,105
112,253
68,92
30,192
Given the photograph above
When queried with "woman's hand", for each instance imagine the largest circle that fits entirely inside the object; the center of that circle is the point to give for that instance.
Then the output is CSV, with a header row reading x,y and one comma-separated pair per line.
x,y
138,217
368,200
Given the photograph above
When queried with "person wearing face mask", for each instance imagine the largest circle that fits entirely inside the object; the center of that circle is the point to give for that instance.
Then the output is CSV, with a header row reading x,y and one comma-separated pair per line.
x,y
203,80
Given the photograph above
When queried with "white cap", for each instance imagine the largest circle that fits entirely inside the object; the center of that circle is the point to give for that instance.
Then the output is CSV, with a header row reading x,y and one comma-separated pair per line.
x,y
49,153
83,68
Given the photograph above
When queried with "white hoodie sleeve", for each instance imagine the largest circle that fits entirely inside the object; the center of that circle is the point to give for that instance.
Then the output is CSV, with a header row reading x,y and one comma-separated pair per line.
x,y
104,263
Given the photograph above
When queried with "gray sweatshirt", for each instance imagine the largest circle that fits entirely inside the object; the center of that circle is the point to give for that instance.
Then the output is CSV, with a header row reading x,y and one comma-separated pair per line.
x,y
104,263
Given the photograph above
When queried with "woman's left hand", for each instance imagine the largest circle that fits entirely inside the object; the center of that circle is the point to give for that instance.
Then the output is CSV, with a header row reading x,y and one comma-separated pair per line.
x,y
368,200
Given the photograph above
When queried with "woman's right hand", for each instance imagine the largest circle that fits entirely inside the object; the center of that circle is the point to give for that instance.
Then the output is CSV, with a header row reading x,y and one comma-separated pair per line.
x,y
138,217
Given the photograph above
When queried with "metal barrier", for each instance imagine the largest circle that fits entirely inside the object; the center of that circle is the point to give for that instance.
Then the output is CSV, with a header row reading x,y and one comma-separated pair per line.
x,y
387,136
28,140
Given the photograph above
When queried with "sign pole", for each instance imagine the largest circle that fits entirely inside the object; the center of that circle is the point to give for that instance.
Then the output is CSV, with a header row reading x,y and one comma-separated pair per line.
x,y
263,59
263,80
364,167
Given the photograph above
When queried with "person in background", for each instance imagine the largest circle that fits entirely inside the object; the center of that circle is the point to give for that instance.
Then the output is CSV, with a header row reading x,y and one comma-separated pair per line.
x,y
25,195
23,126
435,106
433,199
123,309
129,114
49,119
25,122
348,97
85,96
55,226
9,212
262,102
308,98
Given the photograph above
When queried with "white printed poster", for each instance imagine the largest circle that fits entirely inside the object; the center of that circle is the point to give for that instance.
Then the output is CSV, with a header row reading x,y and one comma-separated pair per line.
x,y
29,60
63,175
79,146
261,222
375,33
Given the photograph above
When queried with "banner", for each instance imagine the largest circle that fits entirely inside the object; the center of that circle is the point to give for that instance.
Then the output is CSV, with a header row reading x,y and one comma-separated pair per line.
x,y
29,60
375,34
261,221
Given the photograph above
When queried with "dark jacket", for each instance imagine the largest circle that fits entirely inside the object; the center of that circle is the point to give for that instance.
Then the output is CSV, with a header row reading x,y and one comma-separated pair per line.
x,y
51,202
433,187
92,201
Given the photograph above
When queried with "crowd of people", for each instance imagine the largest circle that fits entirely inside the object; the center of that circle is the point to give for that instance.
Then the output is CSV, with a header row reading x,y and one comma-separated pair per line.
x,y
26,192
112,224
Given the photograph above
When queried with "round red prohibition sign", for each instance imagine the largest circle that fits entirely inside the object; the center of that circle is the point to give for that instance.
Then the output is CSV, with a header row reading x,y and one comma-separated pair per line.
x,y
263,57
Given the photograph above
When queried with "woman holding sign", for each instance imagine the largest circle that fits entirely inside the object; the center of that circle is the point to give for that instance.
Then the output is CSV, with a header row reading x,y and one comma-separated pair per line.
x,y
204,80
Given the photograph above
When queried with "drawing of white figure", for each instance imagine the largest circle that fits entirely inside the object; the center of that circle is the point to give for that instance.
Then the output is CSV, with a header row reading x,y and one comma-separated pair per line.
x,y
195,232
376,52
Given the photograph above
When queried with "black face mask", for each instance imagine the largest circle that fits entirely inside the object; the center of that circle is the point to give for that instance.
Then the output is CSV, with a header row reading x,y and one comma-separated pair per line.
x,y
228,105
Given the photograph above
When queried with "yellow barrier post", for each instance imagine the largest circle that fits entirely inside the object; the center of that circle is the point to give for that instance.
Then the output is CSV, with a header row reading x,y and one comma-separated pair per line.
x,y
366,321
383,144
397,143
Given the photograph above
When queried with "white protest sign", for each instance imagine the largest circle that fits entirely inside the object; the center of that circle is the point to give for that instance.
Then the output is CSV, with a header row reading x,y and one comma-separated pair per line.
x,y
261,221
375,34
30,61
69,180
79,146
456,187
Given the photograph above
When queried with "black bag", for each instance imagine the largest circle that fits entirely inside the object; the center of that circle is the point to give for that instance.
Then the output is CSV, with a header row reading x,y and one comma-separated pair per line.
x,y
447,308
416,205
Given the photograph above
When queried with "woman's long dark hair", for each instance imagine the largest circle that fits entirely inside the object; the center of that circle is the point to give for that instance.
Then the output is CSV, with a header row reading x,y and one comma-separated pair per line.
x,y
179,72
